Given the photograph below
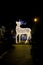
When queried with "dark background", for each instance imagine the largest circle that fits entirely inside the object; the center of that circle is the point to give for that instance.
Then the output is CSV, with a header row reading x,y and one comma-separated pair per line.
x,y
27,13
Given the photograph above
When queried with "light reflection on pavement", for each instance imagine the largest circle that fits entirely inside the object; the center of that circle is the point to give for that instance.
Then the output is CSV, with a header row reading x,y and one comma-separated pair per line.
x,y
19,55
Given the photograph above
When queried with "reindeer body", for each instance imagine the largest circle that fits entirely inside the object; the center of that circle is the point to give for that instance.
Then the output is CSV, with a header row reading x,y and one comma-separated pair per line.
x,y
20,31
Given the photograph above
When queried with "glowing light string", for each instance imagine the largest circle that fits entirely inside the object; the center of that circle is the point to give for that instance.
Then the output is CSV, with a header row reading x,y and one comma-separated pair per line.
x,y
20,31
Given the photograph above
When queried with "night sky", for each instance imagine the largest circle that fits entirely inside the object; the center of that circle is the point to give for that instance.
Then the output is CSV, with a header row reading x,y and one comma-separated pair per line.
x,y
26,14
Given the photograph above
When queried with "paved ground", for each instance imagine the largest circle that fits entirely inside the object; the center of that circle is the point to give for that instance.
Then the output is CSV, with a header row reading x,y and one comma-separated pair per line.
x,y
18,55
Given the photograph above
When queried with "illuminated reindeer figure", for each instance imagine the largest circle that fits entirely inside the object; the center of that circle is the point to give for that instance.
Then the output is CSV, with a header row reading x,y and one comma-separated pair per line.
x,y
20,31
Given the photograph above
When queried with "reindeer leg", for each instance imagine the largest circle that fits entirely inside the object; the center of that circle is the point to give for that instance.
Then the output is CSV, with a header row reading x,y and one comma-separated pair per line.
x,y
19,38
16,38
26,39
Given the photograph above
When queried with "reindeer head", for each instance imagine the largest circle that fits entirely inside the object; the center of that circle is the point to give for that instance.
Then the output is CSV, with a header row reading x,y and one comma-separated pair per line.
x,y
18,23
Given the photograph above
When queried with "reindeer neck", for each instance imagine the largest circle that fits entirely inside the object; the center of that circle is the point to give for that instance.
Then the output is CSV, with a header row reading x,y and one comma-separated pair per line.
x,y
18,26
